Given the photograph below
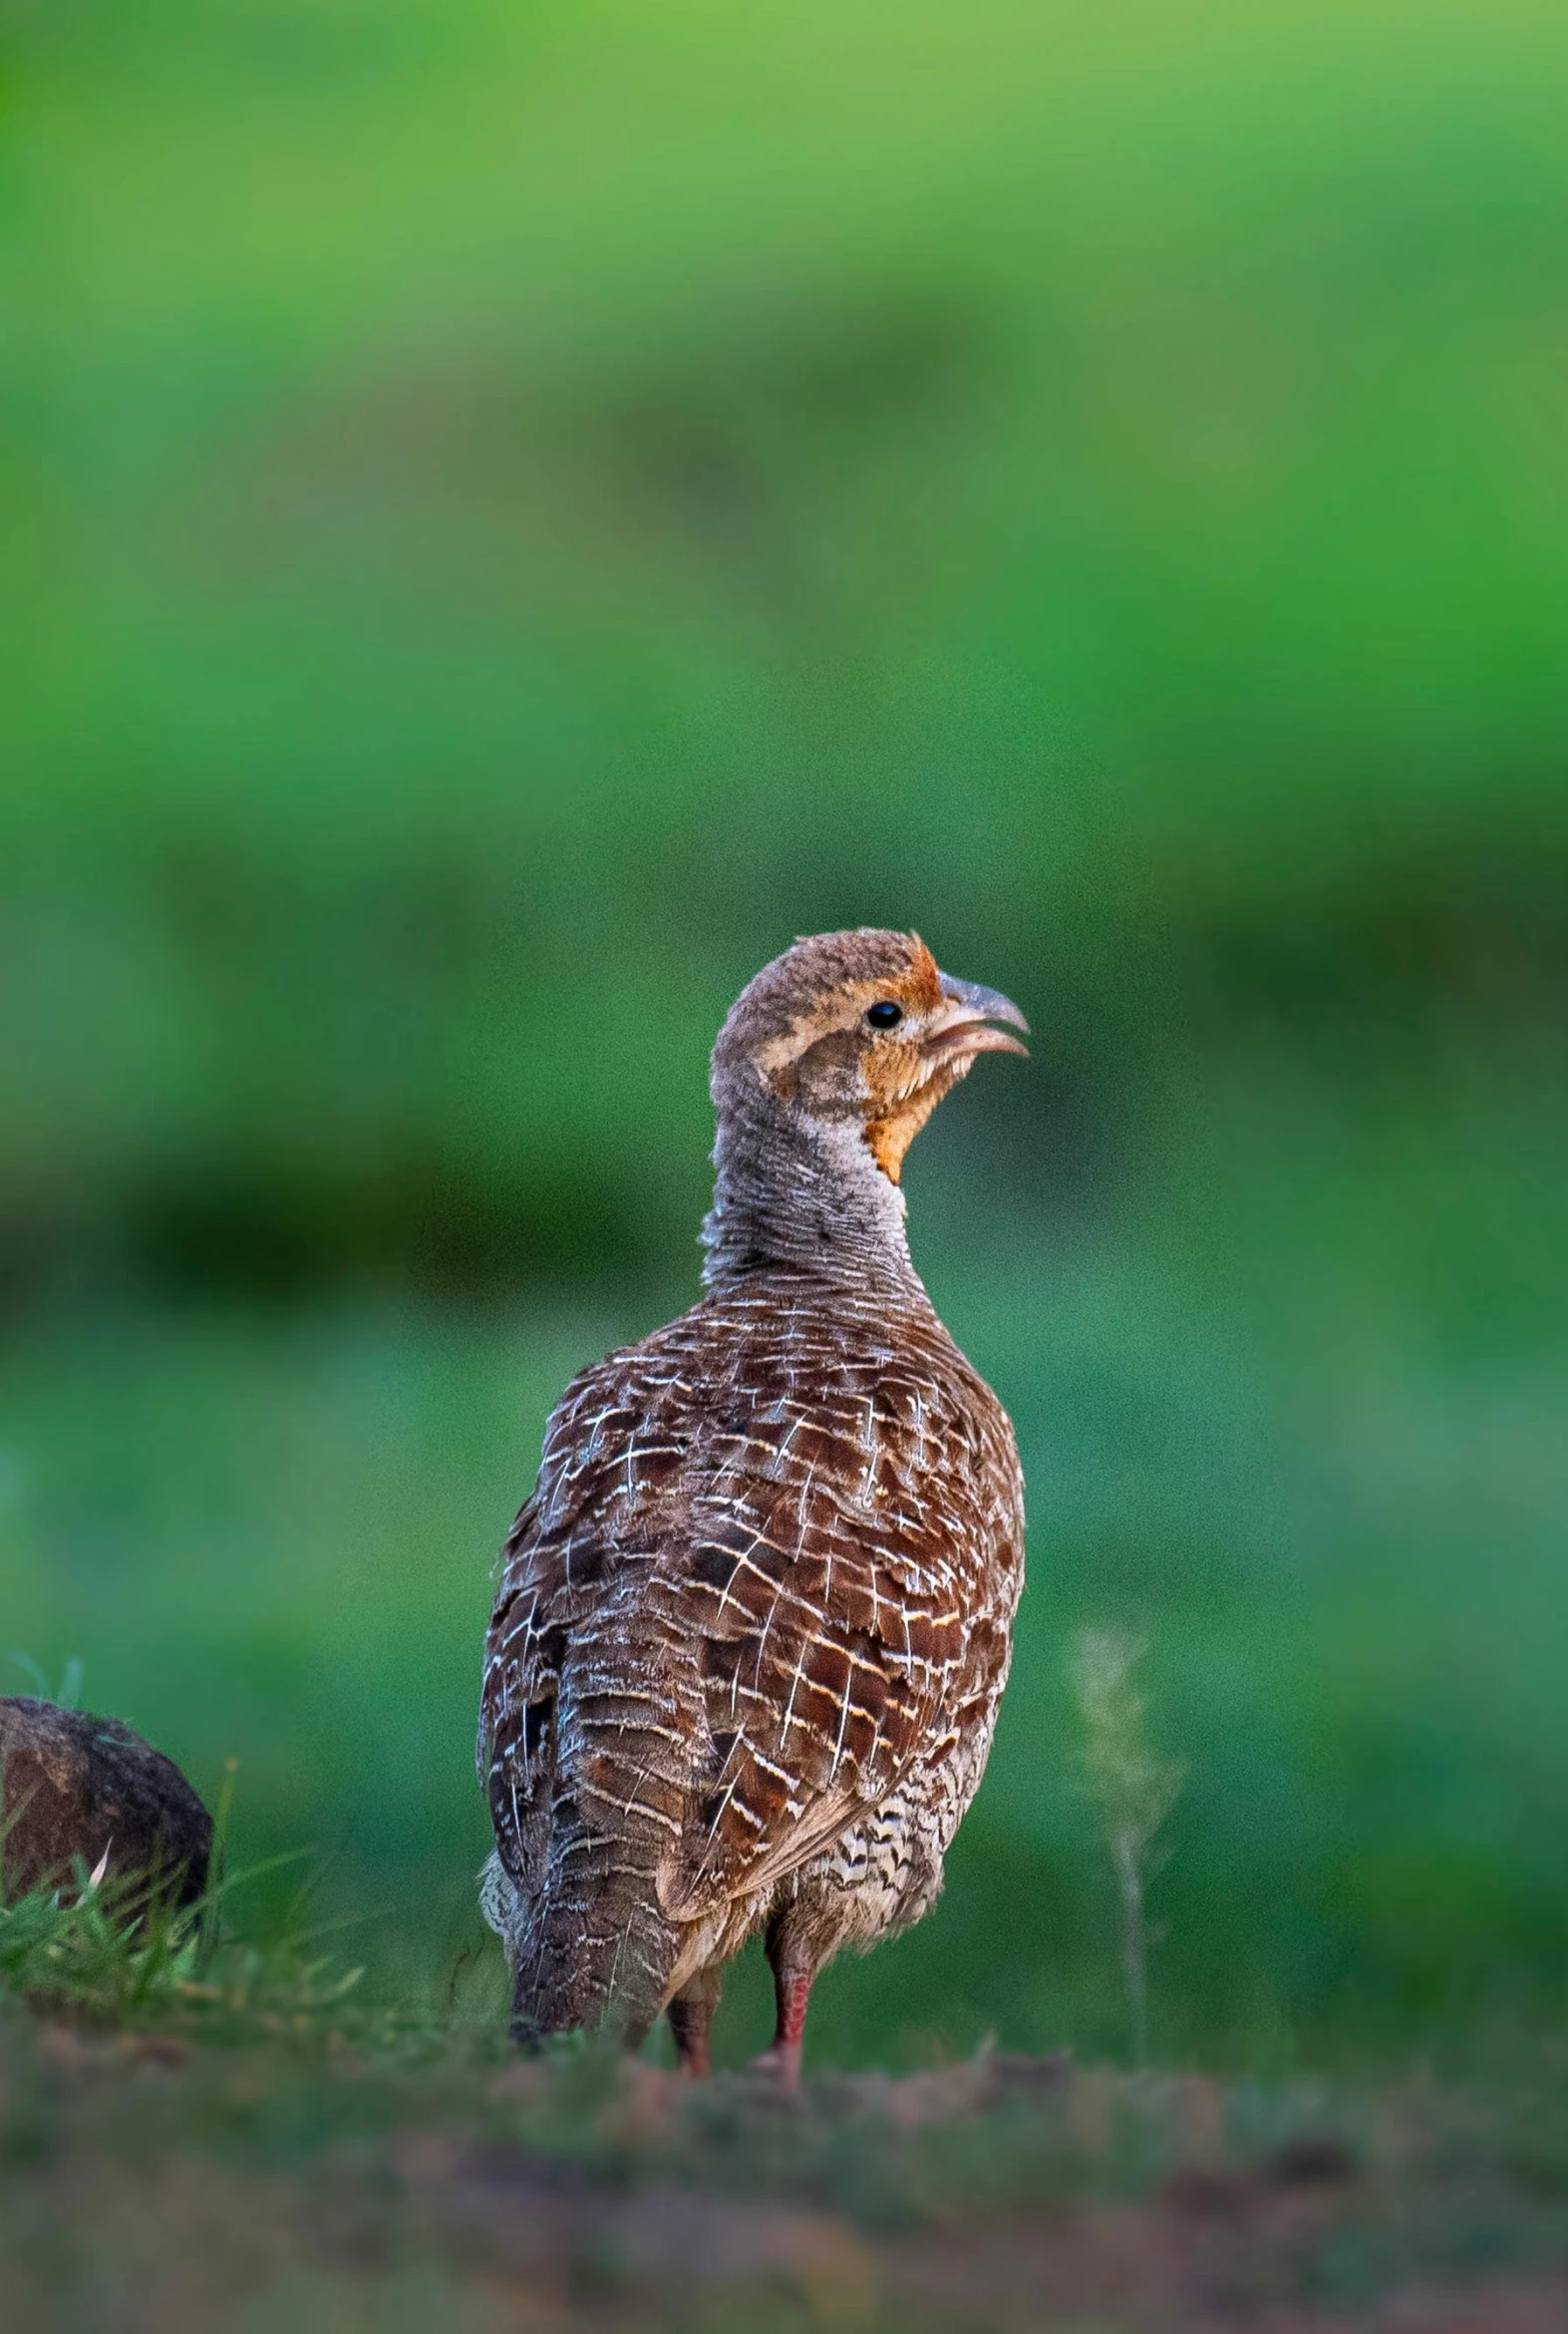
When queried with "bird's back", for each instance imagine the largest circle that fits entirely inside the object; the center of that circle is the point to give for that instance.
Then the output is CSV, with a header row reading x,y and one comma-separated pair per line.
x,y
770,1562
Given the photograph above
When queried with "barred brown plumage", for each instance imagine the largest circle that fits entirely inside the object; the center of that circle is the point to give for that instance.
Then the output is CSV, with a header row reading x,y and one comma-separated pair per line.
x,y
753,1623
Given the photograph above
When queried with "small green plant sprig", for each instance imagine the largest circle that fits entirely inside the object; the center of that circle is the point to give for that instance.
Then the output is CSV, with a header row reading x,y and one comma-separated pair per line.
x,y
1134,1790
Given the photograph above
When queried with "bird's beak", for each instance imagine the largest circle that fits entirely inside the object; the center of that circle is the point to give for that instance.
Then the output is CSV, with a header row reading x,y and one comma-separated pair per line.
x,y
963,1026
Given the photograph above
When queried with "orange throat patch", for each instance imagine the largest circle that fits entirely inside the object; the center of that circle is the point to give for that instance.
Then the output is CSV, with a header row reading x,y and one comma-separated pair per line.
x,y
890,1134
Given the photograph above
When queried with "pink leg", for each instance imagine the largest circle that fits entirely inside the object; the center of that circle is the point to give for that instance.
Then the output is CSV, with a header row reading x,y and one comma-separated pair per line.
x,y
792,1990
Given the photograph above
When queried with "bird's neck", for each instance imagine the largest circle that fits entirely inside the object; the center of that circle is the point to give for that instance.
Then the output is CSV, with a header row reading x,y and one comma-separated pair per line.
x,y
793,1193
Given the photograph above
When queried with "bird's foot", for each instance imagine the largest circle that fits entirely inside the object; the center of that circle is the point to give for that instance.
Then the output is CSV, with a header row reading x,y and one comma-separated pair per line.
x,y
780,2063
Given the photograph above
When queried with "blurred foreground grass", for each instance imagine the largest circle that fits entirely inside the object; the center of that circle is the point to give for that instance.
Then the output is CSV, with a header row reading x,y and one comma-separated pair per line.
x,y
332,2176
197,2132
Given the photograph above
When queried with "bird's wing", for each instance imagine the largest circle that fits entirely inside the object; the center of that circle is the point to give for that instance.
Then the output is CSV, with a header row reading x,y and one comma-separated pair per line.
x,y
838,1581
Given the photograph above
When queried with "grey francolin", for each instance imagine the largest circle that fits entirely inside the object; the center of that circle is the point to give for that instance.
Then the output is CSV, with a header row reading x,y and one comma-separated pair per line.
x,y
753,1623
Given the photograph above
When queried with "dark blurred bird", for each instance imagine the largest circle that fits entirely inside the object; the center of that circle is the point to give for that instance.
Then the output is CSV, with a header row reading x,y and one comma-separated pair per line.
x,y
83,1791
753,1623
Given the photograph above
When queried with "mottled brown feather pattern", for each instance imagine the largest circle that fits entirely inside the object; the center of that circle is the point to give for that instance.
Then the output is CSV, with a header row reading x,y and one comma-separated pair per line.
x,y
748,1641
768,1570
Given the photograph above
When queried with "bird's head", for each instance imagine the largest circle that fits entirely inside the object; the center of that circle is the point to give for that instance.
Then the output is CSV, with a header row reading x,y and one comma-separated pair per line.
x,y
855,1037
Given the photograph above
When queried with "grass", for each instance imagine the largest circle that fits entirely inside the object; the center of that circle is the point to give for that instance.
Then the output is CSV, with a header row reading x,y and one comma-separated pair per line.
x,y
111,1950
246,2144
99,1953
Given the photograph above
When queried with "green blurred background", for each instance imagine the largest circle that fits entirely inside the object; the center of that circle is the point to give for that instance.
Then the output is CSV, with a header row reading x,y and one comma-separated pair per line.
x,y
515,511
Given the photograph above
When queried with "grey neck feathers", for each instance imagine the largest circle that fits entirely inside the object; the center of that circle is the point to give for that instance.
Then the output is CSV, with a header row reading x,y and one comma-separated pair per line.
x,y
792,1192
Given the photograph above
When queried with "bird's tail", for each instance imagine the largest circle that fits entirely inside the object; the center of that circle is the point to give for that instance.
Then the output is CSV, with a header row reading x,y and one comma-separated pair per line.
x,y
592,1959
595,1948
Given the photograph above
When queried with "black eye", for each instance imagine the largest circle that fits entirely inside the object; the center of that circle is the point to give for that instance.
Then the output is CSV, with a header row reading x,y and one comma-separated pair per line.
x,y
885,1014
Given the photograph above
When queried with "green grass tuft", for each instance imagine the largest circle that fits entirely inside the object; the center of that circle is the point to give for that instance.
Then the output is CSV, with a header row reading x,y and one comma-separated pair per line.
x,y
111,1954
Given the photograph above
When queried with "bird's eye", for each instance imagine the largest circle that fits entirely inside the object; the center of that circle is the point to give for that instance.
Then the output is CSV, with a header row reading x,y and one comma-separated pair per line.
x,y
885,1014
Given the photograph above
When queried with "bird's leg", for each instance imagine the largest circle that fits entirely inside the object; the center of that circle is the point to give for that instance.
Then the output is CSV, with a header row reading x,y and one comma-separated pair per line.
x,y
691,2022
792,1992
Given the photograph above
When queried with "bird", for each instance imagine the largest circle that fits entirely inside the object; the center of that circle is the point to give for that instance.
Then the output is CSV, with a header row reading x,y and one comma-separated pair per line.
x,y
752,1624
80,1793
